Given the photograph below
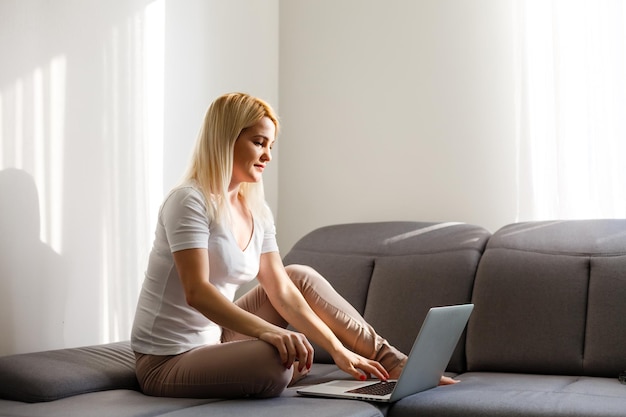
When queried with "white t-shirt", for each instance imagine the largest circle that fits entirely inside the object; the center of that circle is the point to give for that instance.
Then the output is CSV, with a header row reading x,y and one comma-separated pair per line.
x,y
164,323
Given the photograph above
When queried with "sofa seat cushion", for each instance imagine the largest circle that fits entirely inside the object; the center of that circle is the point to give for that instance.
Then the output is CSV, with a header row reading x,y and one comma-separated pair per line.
x,y
288,404
118,403
50,375
501,394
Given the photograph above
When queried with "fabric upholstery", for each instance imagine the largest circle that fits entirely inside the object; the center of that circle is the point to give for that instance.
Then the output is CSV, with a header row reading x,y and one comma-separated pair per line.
x,y
111,403
500,394
392,238
404,287
47,376
605,335
516,325
549,299
289,404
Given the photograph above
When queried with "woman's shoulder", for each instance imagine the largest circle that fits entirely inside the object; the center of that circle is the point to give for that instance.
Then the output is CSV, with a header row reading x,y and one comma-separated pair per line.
x,y
264,220
185,194
186,190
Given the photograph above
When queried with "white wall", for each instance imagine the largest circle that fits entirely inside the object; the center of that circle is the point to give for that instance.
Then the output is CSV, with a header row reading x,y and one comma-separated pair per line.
x,y
215,47
100,104
390,110
396,110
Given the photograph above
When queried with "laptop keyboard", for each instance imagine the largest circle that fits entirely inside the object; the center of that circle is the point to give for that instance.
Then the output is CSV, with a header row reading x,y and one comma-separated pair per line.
x,y
379,388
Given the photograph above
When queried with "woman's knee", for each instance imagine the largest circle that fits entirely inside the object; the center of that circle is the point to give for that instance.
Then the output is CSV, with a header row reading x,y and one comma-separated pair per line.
x,y
271,376
303,275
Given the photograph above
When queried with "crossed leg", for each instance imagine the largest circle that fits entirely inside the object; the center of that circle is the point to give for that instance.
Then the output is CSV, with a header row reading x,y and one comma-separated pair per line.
x,y
339,315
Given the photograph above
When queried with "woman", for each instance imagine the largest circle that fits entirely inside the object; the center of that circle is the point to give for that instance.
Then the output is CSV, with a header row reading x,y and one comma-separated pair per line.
x,y
214,233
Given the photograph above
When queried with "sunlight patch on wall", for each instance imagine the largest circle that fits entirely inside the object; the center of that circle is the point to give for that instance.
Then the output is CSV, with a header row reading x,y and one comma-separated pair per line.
x,y
132,128
32,131
154,87
1,131
19,124
40,157
58,71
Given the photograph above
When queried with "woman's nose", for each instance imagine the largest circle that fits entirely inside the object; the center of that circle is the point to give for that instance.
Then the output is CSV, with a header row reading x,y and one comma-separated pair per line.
x,y
267,155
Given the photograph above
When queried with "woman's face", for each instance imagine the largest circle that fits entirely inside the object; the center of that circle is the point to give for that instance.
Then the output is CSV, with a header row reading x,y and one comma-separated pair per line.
x,y
252,152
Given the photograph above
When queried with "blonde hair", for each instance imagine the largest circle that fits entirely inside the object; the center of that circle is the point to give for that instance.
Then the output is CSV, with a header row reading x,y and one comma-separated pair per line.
x,y
211,165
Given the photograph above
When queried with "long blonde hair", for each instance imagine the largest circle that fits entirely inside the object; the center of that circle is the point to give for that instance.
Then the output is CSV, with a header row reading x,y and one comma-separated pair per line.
x,y
211,165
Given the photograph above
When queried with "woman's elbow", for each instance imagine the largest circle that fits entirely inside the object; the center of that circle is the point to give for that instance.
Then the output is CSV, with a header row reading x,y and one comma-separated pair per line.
x,y
193,296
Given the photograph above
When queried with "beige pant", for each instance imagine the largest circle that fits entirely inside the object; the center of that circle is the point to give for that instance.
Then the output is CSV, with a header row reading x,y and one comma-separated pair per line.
x,y
241,366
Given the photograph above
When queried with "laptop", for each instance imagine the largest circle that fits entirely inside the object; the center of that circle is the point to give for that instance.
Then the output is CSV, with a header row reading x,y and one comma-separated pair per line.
x,y
427,361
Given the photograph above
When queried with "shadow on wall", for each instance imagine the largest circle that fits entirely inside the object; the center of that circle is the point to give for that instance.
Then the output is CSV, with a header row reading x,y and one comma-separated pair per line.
x,y
32,276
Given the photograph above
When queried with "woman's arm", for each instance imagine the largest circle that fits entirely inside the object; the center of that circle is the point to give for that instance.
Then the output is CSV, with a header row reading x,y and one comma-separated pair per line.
x,y
290,304
193,268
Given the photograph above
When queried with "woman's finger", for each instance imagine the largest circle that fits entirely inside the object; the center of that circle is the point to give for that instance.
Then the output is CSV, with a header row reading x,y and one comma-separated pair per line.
x,y
309,361
302,349
374,368
292,351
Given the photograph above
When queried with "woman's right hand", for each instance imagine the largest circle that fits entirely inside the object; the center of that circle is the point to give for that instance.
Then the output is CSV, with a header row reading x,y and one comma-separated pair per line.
x,y
291,346
358,366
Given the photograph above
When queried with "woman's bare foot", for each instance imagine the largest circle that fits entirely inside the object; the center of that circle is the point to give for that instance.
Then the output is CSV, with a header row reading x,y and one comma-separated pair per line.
x,y
446,380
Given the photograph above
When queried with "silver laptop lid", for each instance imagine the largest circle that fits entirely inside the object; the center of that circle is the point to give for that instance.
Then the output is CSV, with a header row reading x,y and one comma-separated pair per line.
x,y
432,349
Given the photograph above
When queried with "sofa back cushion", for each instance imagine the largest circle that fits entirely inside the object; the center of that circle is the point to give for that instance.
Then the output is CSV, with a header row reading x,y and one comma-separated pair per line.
x,y
549,299
55,374
393,272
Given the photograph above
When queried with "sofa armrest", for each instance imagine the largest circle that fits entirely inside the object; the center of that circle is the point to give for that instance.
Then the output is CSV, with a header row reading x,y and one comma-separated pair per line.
x,y
55,374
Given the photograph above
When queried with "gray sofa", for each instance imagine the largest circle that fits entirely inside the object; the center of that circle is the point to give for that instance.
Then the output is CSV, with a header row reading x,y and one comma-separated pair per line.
x,y
547,336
